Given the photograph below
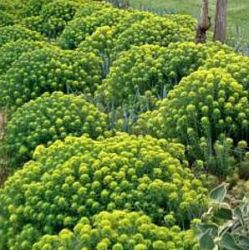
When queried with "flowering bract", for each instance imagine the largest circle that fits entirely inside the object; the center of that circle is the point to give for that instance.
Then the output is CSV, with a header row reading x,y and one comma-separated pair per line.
x,y
48,118
81,177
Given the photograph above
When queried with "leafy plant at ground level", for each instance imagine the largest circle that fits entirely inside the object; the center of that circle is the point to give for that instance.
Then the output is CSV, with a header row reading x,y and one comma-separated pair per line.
x,y
81,177
46,119
224,227
80,27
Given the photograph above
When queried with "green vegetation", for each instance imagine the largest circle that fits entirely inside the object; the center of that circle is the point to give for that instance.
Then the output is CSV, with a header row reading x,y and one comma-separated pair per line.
x,y
81,177
46,119
114,127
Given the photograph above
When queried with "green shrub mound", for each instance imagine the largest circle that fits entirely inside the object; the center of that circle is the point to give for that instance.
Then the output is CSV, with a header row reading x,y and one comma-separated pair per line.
x,y
235,64
185,21
16,32
11,51
6,19
48,70
103,40
81,177
77,30
88,8
48,118
207,112
33,7
118,230
152,30
53,18
151,70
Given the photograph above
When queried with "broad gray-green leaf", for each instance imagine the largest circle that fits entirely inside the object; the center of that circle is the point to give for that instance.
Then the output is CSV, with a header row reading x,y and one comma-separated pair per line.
x,y
229,243
212,228
224,213
206,242
219,193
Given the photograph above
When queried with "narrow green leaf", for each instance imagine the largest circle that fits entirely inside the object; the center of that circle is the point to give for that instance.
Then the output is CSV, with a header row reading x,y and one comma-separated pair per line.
x,y
238,213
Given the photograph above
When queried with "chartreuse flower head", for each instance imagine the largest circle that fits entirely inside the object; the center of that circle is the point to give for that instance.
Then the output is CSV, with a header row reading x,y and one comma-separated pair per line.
x,y
48,118
81,177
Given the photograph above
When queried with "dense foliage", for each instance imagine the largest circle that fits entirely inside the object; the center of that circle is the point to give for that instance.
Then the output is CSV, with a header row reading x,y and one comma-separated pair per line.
x,y
151,70
118,230
53,17
46,119
208,112
81,177
73,74
11,51
80,27
46,70
16,32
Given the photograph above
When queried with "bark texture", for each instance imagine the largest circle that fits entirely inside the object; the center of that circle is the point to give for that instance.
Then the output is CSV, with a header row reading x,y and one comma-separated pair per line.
x,y
220,21
203,24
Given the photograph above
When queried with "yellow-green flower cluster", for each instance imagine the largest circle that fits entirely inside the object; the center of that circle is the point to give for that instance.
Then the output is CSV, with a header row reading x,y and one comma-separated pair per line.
x,y
48,118
46,70
53,17
102,41
151,70
77,30
6,18
16,32
87,8
233,63
206,106
185,21
118,230
152,30
81,177
11,51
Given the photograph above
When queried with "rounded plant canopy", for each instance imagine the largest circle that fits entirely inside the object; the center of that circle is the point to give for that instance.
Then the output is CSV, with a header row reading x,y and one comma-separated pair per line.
x,y
81,177
46,119
46,70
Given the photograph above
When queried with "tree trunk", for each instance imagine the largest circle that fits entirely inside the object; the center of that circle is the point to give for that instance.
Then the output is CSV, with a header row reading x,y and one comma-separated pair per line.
x,y
220,21
203,24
